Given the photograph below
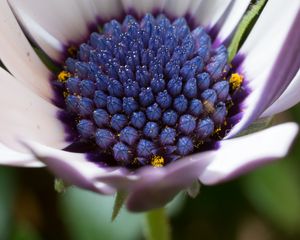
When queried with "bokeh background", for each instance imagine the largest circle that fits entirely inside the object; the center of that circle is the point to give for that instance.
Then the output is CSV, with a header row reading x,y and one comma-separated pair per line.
x,y
262,205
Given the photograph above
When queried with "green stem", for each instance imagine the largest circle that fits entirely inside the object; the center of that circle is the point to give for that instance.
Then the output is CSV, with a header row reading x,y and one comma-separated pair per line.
x,y
157,225
242,28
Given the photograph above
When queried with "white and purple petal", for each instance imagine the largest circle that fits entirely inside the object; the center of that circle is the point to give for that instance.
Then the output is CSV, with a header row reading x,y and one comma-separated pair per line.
x,y
141,7
178,8
270,59
10,157
52,34
19,57
107,9
24,115
73,168
157,186
239,155
288,99
208,13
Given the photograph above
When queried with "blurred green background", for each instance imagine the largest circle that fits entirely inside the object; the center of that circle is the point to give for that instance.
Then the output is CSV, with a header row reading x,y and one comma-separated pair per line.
x,y
262,205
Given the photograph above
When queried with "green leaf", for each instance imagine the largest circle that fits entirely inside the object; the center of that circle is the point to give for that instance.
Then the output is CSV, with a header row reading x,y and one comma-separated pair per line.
x,y
274,191
119,201
243,27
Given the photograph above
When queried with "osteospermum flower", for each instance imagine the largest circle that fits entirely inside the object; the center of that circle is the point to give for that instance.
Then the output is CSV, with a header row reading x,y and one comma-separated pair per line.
x,y
150,102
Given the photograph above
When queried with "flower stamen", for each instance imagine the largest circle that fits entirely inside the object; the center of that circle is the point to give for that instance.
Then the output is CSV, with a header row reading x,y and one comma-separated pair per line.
x,y
63,76
157,161
236,80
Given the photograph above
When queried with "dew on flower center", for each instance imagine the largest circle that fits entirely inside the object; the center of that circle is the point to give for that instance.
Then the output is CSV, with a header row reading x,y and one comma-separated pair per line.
x,y
148,92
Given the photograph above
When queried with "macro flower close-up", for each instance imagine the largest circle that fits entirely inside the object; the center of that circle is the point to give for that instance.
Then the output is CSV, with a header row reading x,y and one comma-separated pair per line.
x,y
147,98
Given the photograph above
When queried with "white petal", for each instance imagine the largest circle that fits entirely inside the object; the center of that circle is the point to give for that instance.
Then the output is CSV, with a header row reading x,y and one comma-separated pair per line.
x,y
73,168
239,155
208,13
50,45
193,6
108,9
13,158
143,6
24,115
288,99
18,56
234,15
52,24
177,8
269,51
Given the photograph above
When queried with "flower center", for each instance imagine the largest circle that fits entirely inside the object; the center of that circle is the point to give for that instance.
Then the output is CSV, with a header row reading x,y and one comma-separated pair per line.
x,y
148,92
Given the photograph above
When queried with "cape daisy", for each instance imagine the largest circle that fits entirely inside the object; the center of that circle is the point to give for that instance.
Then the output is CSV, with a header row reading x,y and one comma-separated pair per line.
x,y
150,103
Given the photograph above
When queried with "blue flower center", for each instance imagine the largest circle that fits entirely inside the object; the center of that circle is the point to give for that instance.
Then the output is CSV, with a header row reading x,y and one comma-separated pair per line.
x,y
147,92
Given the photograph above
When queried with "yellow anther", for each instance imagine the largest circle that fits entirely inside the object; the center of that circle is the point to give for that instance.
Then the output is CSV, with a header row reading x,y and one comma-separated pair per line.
x,y
157,161
63,76
236,80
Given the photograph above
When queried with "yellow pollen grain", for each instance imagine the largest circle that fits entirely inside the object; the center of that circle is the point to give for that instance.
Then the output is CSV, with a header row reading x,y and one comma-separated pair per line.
x,y
198,144
217,133
65,94
157,161
229,104
236,80
72,51
217,130
63,76
135,161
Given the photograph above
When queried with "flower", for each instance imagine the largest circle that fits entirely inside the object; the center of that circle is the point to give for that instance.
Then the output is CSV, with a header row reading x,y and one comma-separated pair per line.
x,y
265,72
